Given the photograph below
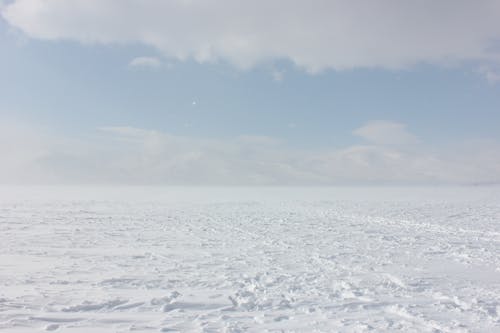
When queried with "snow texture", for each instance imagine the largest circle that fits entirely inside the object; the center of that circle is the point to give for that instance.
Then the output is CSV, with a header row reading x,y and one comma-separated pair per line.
x,y
250,260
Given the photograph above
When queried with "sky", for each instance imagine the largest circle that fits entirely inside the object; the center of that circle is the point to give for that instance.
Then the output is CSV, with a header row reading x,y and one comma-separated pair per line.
x,y
274,92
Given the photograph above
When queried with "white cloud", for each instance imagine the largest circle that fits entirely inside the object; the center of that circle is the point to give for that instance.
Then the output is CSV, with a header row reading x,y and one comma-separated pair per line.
x,y
18,145
151,62
278,75
386,133
128,155
315,34
490,74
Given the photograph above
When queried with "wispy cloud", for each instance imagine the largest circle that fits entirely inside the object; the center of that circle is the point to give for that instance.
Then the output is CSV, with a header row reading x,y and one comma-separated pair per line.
x,y
386,133
129,155
491,74
278,75
149,62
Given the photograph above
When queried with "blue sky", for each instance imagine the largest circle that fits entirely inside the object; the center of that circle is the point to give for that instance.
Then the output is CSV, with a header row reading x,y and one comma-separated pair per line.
x,y
74,95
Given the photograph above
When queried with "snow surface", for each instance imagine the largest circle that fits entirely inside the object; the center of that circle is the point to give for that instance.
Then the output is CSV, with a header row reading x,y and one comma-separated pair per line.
x,y
250,259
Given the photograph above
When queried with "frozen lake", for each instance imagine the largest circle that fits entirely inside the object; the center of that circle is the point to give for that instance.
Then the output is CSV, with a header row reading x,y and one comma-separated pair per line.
x,y
250,259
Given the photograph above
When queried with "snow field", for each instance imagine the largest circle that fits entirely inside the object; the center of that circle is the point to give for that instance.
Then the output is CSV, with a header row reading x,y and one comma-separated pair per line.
x,y
251,264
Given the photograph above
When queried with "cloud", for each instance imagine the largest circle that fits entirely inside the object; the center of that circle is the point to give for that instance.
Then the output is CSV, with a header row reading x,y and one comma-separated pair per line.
x,y
490,74
278,75
21,145
150,62
129,155
386,133
315,35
